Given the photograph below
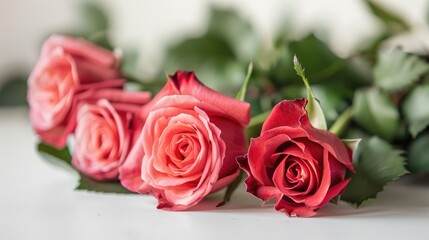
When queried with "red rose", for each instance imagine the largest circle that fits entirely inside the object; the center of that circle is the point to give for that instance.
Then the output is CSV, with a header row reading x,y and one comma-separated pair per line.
x,y
294,163
66,67
188,145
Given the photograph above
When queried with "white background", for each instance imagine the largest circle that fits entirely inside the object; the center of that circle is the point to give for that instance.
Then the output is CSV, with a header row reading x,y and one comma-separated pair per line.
x,y
151,24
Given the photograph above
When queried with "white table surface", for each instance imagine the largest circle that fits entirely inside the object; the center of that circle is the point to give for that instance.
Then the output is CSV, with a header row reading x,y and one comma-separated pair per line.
x,y
37,201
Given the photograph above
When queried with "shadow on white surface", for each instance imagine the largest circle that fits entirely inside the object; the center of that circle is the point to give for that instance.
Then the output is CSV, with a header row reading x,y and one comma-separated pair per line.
x,y
402,198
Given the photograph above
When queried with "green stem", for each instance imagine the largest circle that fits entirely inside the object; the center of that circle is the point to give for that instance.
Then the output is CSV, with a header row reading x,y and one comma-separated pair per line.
x,y
231,189
133,79
342,121
258,119
242,93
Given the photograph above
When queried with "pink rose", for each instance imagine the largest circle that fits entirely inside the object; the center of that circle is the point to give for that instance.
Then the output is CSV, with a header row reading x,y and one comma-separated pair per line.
x,y
103,138
299,166
66,67
188,145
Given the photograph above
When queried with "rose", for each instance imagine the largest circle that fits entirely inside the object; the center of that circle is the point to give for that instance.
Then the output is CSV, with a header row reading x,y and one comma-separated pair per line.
x,y
300,166
188,145
66,67
103,138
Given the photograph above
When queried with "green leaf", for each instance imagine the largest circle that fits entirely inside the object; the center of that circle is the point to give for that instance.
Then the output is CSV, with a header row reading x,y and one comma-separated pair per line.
x,y
416,110
13,92
93,18
259,119
418,155
375,112
211,58
93,24
89,184
314,110
342,122
355,132
62,158
231,189
319,68
255,124
57,157
242,93
390,20
397,70
378,164
280,67
327,66
236,31
101,39
219,55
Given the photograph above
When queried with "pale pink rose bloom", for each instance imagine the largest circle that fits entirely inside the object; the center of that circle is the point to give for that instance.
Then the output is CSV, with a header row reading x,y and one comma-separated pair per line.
x,y
103,137
188,145
66,67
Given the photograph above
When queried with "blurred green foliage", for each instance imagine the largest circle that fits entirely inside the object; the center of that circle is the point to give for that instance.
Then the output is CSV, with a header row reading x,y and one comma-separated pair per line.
x,y
220,55
375,112
14,91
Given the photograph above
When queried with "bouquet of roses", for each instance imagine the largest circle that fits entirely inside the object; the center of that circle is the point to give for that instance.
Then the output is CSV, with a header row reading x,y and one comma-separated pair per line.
x,y
188,140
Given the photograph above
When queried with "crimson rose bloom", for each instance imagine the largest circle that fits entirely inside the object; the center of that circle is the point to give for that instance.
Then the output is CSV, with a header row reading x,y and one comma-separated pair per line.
x,y
188,145
298,165
66,68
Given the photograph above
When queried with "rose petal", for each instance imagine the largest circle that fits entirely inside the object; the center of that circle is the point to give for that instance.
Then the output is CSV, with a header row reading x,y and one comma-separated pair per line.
x,y
80,48
287,113
225,181
295,192
185,83
263,148
233,135
318,197
335,191
130,170
88,72
253,186
333,144
57,136
102,140
294,209
110,83
188,84
121,96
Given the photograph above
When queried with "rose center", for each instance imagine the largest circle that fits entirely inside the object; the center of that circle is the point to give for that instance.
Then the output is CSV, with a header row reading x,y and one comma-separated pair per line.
x,y
101,144
54,83
295,173
184,148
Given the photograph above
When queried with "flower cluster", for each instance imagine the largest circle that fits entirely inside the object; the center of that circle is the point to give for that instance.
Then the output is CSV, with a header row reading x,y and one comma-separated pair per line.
x,y
186,142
